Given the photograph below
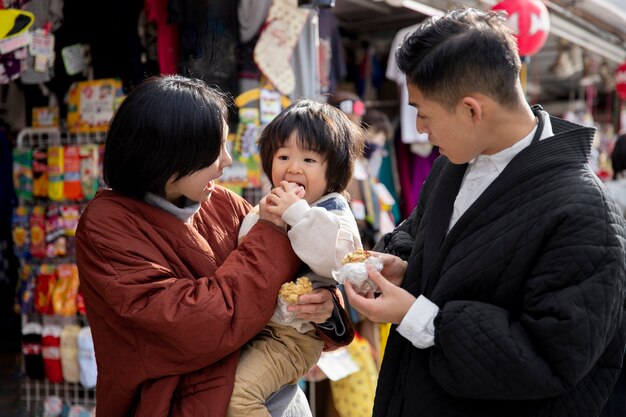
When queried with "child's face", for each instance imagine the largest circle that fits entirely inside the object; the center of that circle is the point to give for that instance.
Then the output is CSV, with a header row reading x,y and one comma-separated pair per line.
x,y
306,168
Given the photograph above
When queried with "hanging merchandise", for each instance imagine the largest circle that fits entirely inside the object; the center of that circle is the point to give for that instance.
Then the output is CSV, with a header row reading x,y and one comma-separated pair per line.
x,y
23,173
91,104
40,172
55,173
75,58
87,358
50,350
89,169
257,107
31,349
69,353
71,175
620,81
65,171
14,24
46,117
272,53
14,40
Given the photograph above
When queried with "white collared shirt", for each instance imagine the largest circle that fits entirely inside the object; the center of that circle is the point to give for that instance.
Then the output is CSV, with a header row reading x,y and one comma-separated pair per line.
x,y
418,326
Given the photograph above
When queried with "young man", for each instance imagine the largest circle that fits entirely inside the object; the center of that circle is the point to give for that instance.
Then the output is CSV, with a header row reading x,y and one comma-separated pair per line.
x,y
509,274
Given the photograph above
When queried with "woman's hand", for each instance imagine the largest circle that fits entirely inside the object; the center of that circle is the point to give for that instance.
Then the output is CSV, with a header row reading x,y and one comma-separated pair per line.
x,y
266,214
273,205
394,268
316,307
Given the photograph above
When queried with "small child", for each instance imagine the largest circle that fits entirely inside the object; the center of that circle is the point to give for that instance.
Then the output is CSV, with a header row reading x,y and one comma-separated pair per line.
x,y
314,146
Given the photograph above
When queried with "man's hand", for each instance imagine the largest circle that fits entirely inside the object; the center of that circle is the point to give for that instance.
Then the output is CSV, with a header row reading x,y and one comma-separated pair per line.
x,y
394,268
389,307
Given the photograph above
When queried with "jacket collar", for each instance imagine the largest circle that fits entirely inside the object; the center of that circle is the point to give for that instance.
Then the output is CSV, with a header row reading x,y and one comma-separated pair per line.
x,y
571,144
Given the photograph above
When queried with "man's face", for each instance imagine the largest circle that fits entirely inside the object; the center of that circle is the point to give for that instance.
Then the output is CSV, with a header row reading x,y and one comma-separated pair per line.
x,y
451,131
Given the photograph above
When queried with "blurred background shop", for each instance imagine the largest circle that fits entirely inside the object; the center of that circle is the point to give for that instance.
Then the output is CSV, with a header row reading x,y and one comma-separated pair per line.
x,y
65,65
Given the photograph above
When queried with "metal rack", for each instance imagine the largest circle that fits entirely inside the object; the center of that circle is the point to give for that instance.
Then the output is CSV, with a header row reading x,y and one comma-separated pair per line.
x,y
34,392
30,137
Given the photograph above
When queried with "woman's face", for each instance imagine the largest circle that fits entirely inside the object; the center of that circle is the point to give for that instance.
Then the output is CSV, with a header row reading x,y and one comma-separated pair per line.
x,y
198,185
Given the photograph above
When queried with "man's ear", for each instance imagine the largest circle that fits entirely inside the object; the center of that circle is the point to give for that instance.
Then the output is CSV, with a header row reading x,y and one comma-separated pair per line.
x,y
472,107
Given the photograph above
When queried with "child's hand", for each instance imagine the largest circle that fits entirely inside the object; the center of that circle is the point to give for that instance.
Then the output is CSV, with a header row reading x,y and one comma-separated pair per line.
x,y
283,196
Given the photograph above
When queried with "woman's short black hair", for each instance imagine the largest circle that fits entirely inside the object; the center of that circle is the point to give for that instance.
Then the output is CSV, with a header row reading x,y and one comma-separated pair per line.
x,y
167,126
320,128
462,52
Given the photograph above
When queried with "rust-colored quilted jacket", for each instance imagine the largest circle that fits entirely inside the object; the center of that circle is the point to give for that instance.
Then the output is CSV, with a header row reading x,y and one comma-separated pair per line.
x,y
170,303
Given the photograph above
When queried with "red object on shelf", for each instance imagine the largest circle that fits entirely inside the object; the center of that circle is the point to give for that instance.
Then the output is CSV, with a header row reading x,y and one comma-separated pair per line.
x,y
530,21
620,81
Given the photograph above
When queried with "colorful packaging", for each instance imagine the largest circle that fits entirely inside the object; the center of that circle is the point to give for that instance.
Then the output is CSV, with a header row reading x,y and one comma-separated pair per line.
x,y
55,233
51,352
21,232
40,172
31,349
23,173
91,104
38,232
89,170
55,173
44,286
25,293
71,173
69,353
65,290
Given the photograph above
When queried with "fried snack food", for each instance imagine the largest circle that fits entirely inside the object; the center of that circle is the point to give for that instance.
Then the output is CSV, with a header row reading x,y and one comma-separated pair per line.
x,y
354,269
359,255
290,292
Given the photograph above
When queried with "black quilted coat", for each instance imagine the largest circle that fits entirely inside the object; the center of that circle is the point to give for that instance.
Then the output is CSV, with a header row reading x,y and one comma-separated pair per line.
x,y
530,286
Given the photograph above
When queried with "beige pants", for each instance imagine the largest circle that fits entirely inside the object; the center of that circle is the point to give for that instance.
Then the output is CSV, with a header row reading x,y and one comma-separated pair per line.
x,y
278,355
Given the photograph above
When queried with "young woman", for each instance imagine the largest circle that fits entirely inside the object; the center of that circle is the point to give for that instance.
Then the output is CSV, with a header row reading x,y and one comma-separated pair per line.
x,y
170,296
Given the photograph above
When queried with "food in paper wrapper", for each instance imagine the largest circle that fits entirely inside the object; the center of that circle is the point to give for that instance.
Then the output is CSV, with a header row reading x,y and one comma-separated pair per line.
x,y
354,269
358,255
291,291
288,295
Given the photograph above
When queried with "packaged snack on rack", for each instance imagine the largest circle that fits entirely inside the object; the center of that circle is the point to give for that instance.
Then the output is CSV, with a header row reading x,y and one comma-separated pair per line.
x,y
23,173
89,170
25,293
72,189
65,290
40,172
21,232
44,285
37,222
55,173
55,233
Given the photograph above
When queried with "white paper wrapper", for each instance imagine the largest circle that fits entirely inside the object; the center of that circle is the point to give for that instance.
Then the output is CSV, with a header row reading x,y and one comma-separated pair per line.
x,y
356,274
281,314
